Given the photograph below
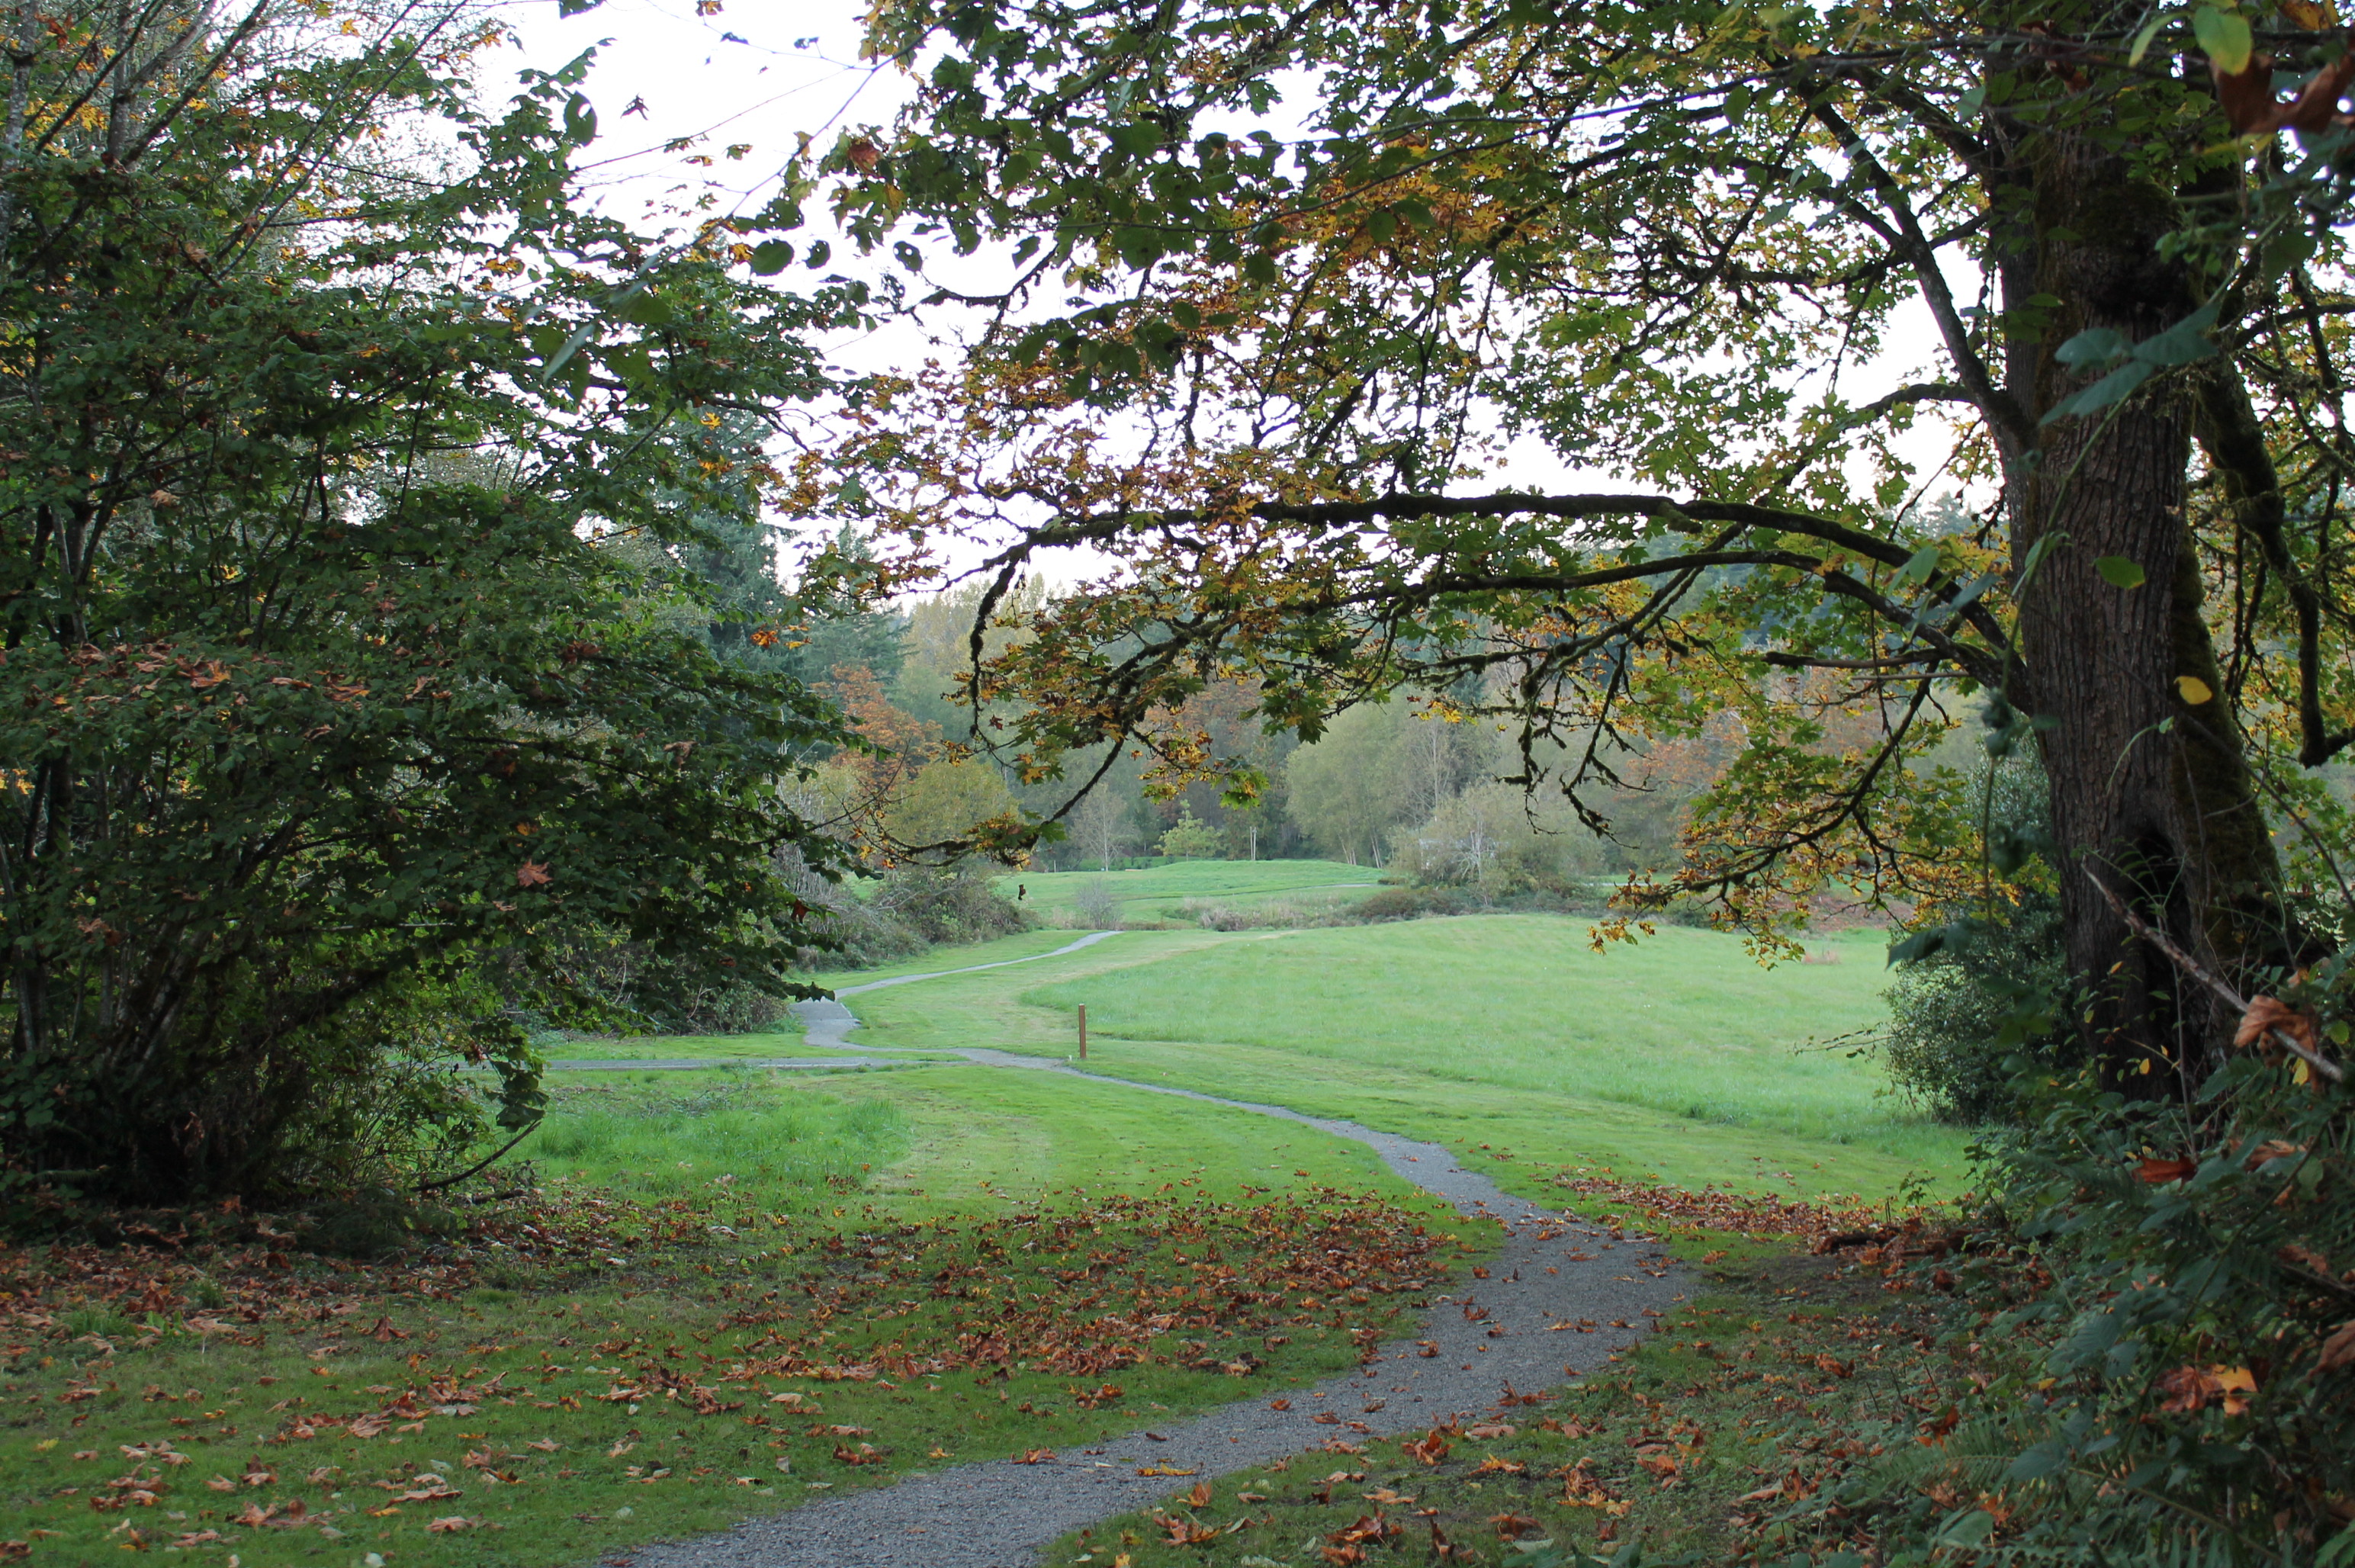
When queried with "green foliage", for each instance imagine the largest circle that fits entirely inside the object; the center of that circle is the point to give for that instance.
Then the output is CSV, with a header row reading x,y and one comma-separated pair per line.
x,y
911,908
2199,1323
318,686
1959,1015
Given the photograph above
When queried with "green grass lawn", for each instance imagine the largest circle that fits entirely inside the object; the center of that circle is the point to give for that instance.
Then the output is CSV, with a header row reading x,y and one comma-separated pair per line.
x,y
1683,1022
1678,1059
1160,893
734,1292
785,1040
737,1289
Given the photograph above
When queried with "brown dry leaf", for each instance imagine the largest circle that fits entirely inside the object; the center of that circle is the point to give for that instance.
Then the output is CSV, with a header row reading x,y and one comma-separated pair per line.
x,y
2268,1013
1279,1404
1186,1533
1513,1526
2159,1172
1199,1496
1492,1466
545,1445
2247,97
2339,1350
1371,1528
1038,1457
1431,1448
449,1526
2235,1381
221,1484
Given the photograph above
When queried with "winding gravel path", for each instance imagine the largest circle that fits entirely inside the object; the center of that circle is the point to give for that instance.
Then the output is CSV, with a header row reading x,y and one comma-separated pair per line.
x,y
1516,1331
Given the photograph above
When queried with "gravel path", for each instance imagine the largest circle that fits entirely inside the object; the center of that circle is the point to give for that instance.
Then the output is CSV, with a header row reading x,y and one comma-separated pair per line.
x,y
1516,1330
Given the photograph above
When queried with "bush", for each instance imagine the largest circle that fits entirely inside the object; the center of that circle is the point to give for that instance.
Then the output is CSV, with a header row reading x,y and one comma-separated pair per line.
x,y
326,672
2200,1320
1191,840
1407,904
1947,1042
913,908
1097,909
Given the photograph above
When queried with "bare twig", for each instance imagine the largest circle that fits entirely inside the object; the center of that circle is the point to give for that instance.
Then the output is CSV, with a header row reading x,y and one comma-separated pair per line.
x,y
2192,966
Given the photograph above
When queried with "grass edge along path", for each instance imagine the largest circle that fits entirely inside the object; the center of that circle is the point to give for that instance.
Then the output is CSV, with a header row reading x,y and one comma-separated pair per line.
x,y
1792,1411
1490,1335
592,1380
1528,1134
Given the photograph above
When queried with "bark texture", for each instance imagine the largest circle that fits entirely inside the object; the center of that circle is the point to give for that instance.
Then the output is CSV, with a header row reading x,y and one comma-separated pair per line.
x,y
2151,791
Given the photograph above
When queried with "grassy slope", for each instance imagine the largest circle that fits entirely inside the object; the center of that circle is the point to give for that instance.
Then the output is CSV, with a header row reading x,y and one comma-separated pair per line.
x,y
1674,1058
787,1041
1154,893
1683,1023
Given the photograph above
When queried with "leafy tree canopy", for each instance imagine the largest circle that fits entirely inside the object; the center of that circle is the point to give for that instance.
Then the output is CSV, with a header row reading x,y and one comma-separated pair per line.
x,y
1301,288
330,704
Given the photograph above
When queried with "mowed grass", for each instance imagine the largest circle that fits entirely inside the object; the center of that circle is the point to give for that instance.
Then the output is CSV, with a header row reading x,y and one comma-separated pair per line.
x,y
1678,1059
1160,893
785,1038
735,1292
1683,1022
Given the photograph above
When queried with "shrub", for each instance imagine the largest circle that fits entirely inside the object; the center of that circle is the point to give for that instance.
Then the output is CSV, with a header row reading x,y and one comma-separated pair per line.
x,y
1407,904
2200,1320
1946,1042
1097,909
911,908
1191,840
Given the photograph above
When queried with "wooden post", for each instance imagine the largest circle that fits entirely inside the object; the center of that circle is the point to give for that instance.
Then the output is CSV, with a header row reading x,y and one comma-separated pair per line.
x,y
1083,1031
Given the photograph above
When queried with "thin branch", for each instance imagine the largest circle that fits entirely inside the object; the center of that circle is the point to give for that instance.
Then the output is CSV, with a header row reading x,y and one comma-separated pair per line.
x,y
2224,989
439,1182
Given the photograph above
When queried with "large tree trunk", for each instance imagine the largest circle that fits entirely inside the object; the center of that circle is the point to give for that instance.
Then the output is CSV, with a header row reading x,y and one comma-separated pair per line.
x,y
2151,793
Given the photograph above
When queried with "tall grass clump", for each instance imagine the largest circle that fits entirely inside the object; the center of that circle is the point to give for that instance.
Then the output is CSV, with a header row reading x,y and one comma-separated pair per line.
x,y
737,1131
